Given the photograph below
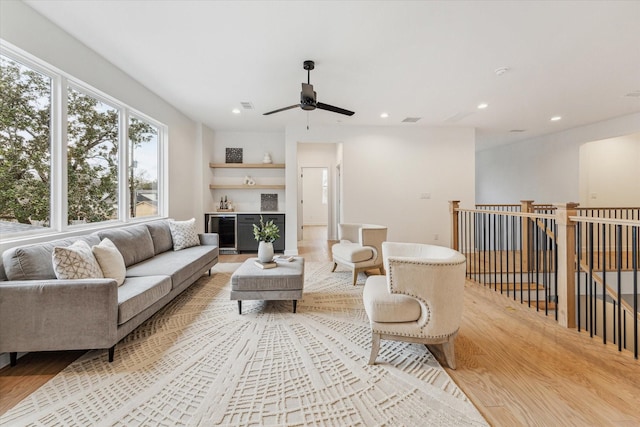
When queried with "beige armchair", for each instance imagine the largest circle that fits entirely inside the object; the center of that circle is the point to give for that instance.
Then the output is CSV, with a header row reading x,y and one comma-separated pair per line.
x,y
360,248
421,298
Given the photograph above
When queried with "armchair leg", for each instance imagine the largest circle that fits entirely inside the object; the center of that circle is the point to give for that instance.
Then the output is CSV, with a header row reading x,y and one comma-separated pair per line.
x,y
355,276
13,358
449,354
335,264
375,347
112,351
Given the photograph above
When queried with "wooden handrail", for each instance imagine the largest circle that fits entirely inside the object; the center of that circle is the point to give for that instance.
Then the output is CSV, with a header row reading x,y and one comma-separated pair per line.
x,y
611,221
509,213
605,208
544,228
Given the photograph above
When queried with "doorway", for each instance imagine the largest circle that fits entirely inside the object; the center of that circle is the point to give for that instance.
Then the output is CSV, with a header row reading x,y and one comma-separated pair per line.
x,y
317,163
314,202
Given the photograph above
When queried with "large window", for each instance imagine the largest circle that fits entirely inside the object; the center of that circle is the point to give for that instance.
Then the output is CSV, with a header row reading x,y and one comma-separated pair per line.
x,y
25,148
143,168
88,169
92,159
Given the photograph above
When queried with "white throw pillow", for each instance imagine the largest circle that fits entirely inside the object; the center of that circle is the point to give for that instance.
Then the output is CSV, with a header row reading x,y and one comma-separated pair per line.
x,y
75,262
184,234
110,260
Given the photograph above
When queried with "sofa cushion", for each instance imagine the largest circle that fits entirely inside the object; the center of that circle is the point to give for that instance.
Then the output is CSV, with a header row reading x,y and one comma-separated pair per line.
x,y
110,260
133,242
138,293
352,252
184,234
75,262
179,265
383,307
161,236
33,262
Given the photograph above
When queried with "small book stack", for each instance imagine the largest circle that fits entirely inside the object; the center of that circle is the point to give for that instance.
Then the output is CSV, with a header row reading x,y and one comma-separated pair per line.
x,y
265,265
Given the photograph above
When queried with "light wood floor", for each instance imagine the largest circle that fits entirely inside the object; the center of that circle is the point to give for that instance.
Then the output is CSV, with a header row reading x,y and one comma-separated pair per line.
x,y
518,367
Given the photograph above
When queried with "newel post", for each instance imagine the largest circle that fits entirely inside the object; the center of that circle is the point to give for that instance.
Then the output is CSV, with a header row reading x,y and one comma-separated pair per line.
x,y
566,240
526,206
453,210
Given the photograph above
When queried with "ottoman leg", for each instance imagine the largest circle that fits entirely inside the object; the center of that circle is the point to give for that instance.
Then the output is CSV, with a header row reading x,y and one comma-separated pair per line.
x,y
295,303
239,306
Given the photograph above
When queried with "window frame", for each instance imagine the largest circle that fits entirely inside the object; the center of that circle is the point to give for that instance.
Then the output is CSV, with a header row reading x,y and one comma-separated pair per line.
x,y
61,82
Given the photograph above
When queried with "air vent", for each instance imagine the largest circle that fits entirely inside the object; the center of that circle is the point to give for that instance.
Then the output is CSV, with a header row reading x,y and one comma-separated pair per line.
x,y
457,117
411,119
247,105
634,94
517,130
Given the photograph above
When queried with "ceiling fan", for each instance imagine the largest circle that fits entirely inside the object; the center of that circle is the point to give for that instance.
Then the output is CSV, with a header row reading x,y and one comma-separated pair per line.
x,y
308,97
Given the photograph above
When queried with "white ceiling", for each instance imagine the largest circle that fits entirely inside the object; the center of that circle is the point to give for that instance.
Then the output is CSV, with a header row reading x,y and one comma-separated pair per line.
x,y
428,59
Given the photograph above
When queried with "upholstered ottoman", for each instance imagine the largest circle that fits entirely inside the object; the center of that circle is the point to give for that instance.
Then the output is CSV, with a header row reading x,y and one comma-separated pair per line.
x,y
284,282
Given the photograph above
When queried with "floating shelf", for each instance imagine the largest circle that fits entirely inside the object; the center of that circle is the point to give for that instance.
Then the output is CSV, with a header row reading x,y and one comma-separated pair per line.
x,y
248,165
247,187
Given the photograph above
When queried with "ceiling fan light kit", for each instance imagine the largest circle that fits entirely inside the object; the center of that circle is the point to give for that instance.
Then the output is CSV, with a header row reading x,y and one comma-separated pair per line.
x,y
308,97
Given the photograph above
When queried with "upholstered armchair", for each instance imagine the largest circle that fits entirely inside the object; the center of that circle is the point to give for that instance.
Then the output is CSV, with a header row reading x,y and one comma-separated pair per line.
x,y
419,300
360,248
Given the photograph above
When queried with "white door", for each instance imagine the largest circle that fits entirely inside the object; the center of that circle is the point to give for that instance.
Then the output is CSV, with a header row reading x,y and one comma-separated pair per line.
x,y
315,197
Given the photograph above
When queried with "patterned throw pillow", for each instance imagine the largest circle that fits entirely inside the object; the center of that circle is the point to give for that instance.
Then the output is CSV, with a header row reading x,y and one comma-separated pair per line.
x,y
110,260
184,234
75,262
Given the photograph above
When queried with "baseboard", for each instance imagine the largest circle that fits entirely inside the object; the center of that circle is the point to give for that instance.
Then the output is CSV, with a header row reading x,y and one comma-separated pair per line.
x,y
5,361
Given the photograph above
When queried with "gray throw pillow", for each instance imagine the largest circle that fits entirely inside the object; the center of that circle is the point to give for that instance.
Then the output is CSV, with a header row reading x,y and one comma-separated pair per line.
x,y
75,262
184,234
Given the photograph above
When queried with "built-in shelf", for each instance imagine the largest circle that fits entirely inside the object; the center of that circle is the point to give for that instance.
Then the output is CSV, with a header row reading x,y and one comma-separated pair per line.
x,y
248,165
248,187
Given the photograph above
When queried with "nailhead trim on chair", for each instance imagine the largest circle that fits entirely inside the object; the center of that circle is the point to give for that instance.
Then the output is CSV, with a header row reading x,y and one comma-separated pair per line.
x,y
395,291
417,336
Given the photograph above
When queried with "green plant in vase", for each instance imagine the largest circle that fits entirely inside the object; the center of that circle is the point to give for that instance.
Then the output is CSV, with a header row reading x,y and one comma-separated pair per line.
x,y
265,233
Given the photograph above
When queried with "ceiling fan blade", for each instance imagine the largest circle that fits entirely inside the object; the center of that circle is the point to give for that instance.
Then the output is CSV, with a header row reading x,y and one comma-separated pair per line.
x,y
282,109
331,108
307,91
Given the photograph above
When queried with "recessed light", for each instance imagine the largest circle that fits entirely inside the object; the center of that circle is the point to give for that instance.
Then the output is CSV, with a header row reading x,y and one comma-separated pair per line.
x,y
482,106
236,111
384,115
556,118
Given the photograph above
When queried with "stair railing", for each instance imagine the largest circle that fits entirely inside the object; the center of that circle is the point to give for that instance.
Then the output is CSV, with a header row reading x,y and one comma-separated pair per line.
x,y
578,264
608,254
511,249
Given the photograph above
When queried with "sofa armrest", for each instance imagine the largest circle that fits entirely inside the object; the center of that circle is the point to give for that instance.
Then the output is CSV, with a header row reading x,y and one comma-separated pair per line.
x,y
210,239
41,315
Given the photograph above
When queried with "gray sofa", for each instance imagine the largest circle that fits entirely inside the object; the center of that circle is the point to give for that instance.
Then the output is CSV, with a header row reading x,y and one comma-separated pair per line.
x,y
38,312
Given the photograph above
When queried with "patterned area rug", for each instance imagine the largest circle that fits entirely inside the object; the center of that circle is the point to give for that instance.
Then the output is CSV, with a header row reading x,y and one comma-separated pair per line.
x,y
198,362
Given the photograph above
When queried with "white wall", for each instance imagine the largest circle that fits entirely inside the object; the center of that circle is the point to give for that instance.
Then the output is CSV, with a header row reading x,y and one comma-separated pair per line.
x,y
610,172
386,169
23,27
544,169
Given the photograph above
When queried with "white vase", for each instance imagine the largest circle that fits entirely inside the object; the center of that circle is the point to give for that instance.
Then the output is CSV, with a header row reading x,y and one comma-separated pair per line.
x,y
265,252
